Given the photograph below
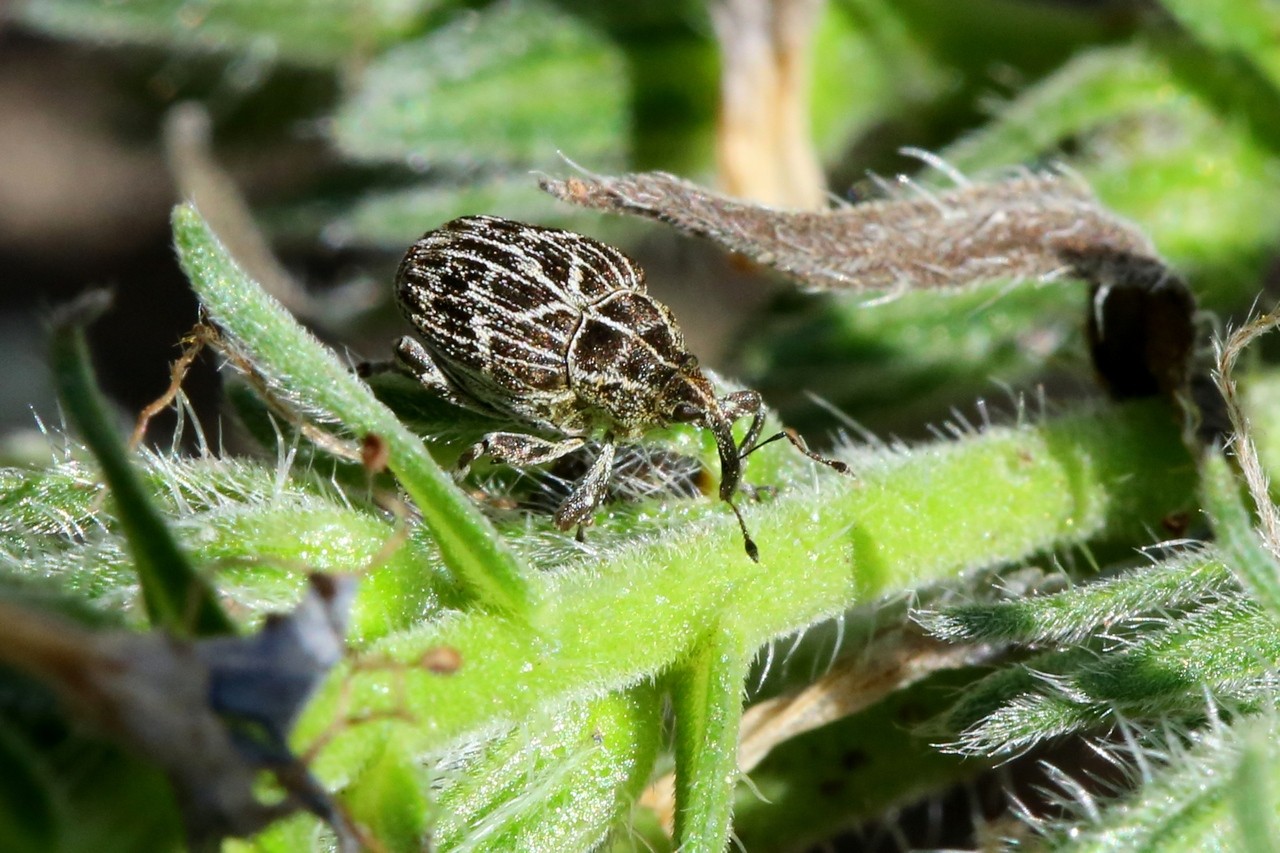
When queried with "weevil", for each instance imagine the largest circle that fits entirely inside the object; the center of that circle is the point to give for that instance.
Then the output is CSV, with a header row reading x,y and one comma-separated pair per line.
x,y
555,331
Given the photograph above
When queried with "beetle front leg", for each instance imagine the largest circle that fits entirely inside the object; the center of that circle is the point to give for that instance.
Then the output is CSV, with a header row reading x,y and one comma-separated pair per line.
x,y
740,404
517,449
588,493
799,444
413,358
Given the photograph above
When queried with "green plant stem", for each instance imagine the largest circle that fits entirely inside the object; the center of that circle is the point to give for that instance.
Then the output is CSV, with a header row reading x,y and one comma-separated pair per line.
x,y
912,518
1252,792
707,696
177,599
1233,526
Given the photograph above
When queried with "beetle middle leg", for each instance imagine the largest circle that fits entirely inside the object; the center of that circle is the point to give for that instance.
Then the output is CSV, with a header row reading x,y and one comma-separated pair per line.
x,y
518,449
413,358
588,492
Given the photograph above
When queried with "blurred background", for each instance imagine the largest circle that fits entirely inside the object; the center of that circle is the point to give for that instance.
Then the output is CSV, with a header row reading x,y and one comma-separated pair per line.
x,y
322,136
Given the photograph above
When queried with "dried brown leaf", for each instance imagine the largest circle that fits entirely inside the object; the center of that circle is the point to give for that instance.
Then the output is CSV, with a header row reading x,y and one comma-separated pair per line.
x,y
1027,227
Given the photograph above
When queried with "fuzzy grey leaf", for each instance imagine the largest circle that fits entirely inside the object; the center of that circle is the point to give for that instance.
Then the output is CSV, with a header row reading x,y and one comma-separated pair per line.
x,y
1025,227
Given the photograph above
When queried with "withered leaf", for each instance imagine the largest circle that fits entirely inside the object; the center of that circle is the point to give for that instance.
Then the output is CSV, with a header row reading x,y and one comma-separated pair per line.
x,y
1019,228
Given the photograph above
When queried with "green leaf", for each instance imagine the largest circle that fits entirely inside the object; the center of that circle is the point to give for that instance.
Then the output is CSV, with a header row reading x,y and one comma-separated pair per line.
x,y
260,533
1074,615
102,799
28,820
1095,87
312,377
1245,27
555,784
914,359
395,218
1190,798
512,83
1227,650
868,64
310,32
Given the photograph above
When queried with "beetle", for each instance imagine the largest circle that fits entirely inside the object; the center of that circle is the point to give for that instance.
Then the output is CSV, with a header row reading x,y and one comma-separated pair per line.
x,y
555,331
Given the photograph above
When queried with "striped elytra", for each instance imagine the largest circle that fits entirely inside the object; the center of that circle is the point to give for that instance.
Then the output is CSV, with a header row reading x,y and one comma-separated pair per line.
x,y
548,327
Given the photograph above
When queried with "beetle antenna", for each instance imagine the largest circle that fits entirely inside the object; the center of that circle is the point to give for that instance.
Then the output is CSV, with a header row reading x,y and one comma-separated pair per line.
x,y
753,448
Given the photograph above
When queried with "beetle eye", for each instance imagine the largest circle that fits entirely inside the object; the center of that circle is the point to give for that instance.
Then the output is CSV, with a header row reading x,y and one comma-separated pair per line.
x,y
686,413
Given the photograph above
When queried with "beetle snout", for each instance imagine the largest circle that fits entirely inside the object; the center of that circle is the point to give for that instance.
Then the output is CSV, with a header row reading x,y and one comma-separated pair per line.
x,y
730,460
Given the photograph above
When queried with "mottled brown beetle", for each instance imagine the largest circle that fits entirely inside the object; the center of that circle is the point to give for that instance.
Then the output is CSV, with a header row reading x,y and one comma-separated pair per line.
x,y
555,330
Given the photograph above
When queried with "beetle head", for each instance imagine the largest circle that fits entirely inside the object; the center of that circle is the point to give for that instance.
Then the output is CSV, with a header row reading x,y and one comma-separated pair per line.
x,y
690,399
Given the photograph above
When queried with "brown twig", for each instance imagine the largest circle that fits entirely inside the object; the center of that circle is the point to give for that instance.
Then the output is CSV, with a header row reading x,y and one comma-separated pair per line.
x,y
200,336
763,146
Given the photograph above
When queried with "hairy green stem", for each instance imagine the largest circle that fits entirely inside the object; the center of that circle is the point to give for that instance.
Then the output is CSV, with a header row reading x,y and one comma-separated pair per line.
x,y
707,696
912,518
1233,525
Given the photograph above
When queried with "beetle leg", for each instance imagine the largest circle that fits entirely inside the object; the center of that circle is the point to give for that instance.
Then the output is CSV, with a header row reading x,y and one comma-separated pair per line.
x,y
799,444
518,449
412,357
740,404
589,491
